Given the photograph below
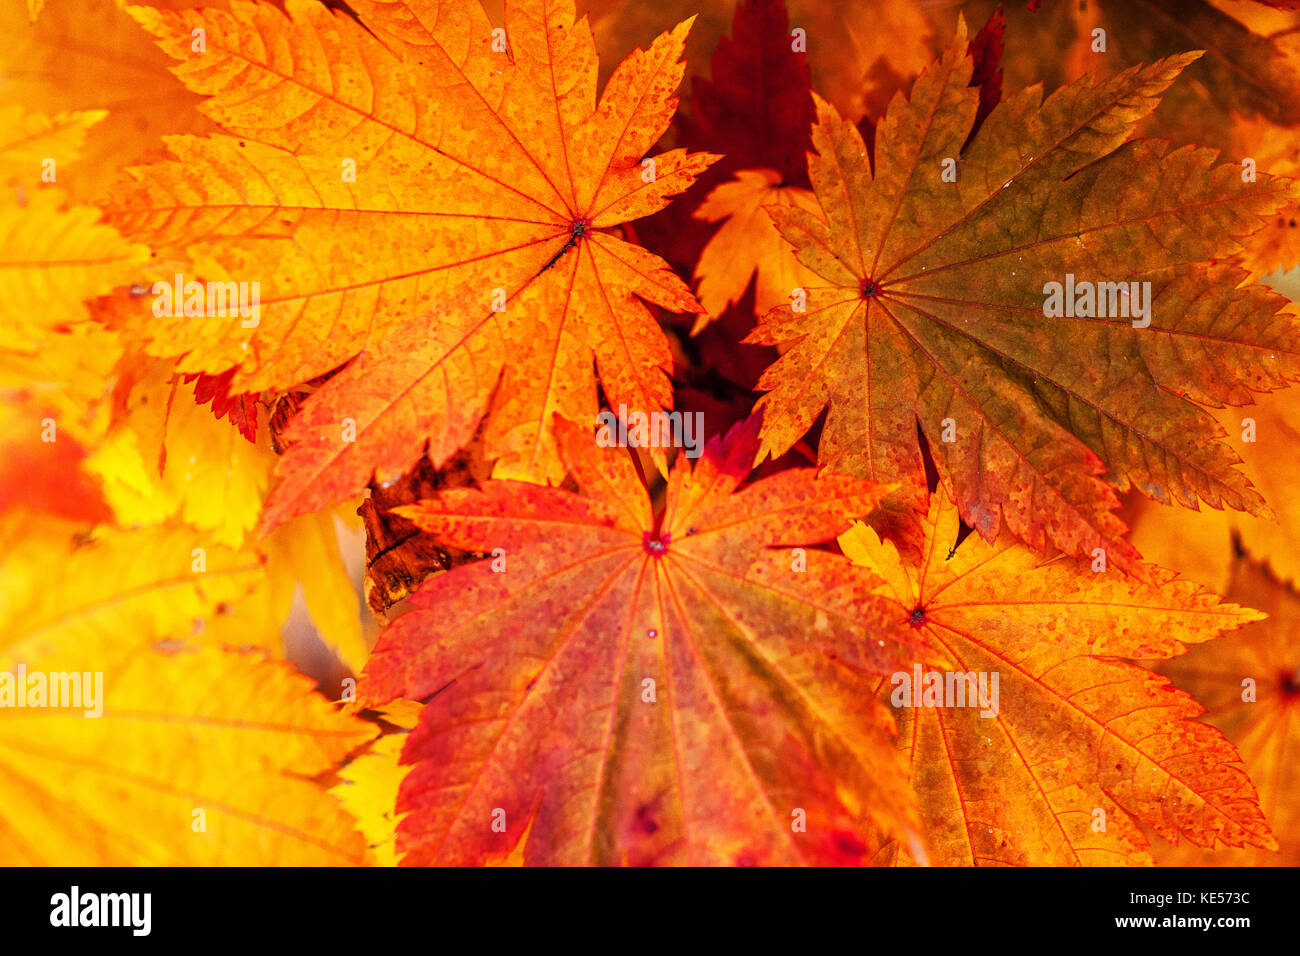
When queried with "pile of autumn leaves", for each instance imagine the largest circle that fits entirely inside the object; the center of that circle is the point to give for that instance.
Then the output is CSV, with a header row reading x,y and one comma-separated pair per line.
x,y
457,245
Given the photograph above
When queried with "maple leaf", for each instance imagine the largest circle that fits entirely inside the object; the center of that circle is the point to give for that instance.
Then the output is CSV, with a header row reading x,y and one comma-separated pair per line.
x,y
90,53
616,673
93,432
1264,434
763,139
242,409
1248,68
933,307
649,688
889,43
163,455
30,137
1271,148
748,243
66,370
1250,685
54,254
1242,96
986,49
303,556
164,458
487,176
157,590
369,784
54,363
770,133
1069,727
755,107
121,788
124,788
858,53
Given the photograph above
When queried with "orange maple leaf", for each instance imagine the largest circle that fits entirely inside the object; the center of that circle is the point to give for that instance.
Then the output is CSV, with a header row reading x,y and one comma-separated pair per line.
x,y
673,687
1062,745
1272,148
935,307
431,192
1264,434
1250,684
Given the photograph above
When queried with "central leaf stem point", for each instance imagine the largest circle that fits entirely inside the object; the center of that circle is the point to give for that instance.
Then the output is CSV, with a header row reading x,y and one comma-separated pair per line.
x,y
655,545
1291,684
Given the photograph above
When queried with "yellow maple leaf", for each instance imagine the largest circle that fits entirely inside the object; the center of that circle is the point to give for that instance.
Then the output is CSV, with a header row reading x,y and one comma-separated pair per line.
x,y
165,455
164,580
54,256
302,553
198,757
190,755
368,789
29,142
